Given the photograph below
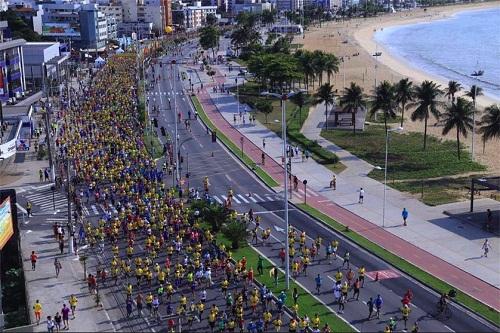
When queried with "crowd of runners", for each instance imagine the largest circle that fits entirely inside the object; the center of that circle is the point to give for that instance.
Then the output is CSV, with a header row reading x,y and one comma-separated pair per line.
x,y
165,265
152,247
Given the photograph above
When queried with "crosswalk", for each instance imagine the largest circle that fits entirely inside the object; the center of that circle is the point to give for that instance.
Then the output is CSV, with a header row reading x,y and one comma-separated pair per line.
x,y
45,200
248,198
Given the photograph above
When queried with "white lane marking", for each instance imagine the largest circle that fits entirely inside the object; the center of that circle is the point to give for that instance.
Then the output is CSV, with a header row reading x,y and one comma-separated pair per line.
x,y
242,198
258,197
236,200
448,328
270,198
94,210
21,208
217,199
228,178
223,197
311,192
252,198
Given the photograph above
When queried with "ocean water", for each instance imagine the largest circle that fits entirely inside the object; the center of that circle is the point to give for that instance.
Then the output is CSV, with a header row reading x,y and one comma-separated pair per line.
x,y
452,48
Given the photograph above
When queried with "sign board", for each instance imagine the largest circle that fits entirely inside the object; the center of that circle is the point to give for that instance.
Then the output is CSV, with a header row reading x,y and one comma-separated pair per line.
x,y
6,227
60,29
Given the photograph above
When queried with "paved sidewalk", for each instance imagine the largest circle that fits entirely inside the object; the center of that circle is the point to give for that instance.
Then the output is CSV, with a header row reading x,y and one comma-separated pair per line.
x,y
420,243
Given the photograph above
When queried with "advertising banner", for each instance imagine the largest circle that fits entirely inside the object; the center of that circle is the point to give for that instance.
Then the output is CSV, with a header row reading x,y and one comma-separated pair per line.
x,y
60,29
6,227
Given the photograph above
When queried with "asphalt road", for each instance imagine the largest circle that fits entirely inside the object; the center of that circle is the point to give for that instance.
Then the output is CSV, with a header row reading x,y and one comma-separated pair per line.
x,y
204,158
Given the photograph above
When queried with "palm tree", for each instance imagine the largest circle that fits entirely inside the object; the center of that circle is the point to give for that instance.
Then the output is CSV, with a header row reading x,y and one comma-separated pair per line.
x,y
331,65
458,115
265,107
490,124
351,101
426,103
474,92
404,94
325,95
299,99
384,100
319,61
453,88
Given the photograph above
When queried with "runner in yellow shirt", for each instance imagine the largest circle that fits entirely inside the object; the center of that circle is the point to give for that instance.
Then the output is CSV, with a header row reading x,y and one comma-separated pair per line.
x,y
72,303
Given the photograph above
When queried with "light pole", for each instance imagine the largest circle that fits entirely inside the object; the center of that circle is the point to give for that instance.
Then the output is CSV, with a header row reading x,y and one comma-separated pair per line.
x,y
241,141
376,55
399,129
175,121
237,95
305,191
283,98
285,192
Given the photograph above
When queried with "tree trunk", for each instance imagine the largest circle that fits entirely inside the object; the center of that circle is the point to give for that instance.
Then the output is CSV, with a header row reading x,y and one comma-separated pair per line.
x,y
326,116
402,114
458,144
354,122
425,132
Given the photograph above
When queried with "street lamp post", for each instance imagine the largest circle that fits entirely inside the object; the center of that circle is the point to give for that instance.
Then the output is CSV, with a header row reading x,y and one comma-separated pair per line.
x,y
284,97
399,129
53,188
237,95
305,191
175,121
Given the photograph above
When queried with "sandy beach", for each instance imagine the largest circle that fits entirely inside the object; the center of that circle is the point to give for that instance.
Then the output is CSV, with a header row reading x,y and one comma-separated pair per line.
x,y
353,40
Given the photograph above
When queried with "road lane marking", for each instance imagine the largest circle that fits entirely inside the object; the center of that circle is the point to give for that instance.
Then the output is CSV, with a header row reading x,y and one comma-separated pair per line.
x,y
243,198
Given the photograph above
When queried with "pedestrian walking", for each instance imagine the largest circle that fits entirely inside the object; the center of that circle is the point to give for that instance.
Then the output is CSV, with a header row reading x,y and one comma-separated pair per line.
x,y
37,309
370,307
57,266
65,316
361,195
263,158
347,258
73,301
264,143
50,324
29,206
61,245
404,214
333,183
33,259
378,305
58,321
342,301
260,265
486,248
356,287
40,174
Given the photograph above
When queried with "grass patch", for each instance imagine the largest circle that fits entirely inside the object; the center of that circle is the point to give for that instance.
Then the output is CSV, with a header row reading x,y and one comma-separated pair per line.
x,y
307,303
440,286
250,94
153,144
407,159
268,180
441,191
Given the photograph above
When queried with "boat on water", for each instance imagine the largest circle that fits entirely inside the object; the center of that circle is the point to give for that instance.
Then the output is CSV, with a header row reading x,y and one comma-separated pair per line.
x,y
478,73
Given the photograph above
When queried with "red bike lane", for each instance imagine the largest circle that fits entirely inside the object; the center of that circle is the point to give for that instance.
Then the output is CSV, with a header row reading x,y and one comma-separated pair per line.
x,y
435,266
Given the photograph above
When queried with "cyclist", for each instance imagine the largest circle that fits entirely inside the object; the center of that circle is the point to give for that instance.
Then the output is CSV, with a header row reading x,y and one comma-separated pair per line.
x,y
443,303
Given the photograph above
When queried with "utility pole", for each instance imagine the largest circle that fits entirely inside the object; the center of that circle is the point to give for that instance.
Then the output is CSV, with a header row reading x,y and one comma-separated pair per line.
x,y
70,225
47,124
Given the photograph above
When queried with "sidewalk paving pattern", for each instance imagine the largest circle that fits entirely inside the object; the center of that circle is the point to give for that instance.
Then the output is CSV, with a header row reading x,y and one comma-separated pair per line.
x,y
420,243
